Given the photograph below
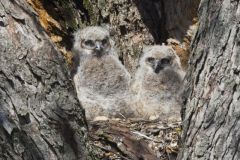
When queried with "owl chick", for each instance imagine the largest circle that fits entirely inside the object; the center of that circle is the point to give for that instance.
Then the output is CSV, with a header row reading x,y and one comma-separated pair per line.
x,y
101,81
157,82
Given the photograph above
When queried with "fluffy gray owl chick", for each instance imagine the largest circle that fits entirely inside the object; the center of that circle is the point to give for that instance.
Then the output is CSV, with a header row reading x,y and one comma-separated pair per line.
x,y
101,81
157,83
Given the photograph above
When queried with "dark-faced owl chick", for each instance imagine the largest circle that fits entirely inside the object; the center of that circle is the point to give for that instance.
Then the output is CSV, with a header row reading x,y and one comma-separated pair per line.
x,y
102,82
157,83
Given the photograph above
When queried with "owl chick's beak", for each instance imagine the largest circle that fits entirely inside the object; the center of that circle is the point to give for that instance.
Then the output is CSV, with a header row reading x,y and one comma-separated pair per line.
x,y
158,67
99,49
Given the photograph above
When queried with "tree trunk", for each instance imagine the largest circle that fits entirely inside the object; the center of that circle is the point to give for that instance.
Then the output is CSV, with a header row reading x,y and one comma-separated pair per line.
x,y
211,118
40,116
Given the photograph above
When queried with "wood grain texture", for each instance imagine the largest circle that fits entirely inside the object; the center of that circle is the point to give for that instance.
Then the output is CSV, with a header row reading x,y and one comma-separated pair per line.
x,y
211,126
36,93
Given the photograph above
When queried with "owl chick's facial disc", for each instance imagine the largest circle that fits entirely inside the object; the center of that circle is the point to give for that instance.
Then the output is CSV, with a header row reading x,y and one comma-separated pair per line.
x,y
157,58
158,64
95,40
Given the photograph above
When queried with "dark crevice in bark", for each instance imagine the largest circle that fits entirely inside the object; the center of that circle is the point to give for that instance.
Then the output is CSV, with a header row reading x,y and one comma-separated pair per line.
x,y
230,131
10,82
196,130
19,79
167,19
225,45
68,135
50,146
186,123
31,148
36,76
64,12
85,16
24,119
204,55
154,17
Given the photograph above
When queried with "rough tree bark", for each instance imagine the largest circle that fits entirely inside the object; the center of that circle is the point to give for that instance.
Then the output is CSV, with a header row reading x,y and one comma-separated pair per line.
x,y
211,126
40,116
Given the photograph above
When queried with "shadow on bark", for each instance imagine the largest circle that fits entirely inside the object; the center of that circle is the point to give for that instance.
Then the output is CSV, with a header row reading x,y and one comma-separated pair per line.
x,y
167,19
